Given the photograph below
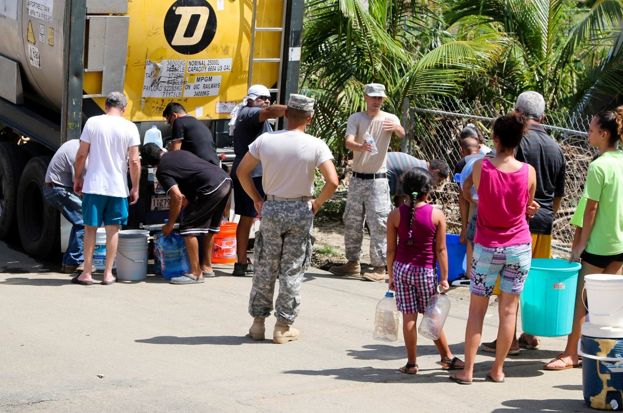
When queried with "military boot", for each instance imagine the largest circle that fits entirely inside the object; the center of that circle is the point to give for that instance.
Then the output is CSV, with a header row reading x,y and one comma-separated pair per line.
x,y
284,333
257,331
351,268
375,274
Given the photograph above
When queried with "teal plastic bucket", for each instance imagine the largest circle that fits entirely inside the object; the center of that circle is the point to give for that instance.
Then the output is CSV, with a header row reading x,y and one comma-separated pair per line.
x,y
548,298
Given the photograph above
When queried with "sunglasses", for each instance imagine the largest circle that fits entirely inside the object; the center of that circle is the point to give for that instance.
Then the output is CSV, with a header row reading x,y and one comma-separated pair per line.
x,y
263,98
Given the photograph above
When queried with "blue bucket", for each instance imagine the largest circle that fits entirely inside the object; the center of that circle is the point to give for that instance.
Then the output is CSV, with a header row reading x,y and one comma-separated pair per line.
x,y
456,257
548,298
602,372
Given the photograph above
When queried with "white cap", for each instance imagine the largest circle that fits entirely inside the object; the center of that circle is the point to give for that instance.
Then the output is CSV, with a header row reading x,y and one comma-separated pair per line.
x,y
256,91
374,90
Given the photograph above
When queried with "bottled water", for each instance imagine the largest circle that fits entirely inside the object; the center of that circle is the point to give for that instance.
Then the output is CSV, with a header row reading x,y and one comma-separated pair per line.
x,y
153,135
370,140
435,317
387,319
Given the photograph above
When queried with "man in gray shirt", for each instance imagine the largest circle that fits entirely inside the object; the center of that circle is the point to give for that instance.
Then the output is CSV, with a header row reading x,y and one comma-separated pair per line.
x,y
58,192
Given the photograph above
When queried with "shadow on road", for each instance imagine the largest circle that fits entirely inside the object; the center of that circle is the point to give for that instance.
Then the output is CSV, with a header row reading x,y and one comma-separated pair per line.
x,y
202,340
372,375
396,352
37,282
551,405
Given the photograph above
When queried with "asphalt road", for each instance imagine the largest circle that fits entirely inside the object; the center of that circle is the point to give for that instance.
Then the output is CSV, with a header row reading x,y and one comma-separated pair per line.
x,y
155,347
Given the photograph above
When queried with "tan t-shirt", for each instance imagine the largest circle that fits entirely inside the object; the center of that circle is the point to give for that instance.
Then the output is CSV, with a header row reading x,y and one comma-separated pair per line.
x,y
358,124
289,159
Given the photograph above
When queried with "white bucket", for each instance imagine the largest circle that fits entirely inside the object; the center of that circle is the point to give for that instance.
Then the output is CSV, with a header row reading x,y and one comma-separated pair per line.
x,y
99,254
132,255
603,293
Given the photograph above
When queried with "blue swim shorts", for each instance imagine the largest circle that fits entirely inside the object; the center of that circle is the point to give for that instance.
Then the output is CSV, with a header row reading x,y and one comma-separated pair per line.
x,y
511,263
98,210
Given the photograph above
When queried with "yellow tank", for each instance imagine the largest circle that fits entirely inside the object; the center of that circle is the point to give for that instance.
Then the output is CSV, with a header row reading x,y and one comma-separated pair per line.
x,y
196,53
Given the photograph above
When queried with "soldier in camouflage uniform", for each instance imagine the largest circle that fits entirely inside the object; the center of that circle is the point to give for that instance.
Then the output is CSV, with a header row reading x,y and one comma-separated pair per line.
x,y
283,244
368,135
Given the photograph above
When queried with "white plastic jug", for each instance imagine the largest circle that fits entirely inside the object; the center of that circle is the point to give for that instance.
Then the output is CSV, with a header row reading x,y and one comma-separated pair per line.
x,y
435,317
387,319
153,135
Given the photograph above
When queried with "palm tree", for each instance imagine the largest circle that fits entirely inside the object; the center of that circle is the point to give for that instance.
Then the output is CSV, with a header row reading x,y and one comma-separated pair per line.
x,y
402,44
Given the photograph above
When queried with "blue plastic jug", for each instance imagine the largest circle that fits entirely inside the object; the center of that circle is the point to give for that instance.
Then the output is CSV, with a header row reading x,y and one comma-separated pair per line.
x,y
170,252
153,135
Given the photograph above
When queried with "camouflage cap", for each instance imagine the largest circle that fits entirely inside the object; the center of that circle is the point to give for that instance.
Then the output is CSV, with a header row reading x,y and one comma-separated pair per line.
x,y
374,90
301,102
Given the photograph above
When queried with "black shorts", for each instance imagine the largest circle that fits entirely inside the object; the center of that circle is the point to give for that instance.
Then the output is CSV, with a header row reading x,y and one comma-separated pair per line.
x,y
243,204
205,213
601,261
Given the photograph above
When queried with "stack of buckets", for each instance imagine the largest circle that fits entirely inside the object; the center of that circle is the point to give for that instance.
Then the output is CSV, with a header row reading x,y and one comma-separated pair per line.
x,y
601,344
224,251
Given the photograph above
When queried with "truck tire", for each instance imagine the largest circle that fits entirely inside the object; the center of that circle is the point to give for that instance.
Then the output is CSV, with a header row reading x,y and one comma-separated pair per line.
x,y
38,221
11,165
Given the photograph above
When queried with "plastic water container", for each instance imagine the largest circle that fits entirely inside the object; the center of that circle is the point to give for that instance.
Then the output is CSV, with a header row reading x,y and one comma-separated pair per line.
x,y
153,135
548,298
224,250
387,319
370,140
132,255
456,257
171,255
603,294
602,372
435,317
99,253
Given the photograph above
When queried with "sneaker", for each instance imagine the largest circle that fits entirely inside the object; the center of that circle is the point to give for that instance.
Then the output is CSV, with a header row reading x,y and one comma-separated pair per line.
x,y
377,274
351,268
491,346
240,270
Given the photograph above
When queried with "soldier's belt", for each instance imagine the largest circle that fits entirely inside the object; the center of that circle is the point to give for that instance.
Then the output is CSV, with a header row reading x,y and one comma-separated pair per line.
x,y
370,176
277,198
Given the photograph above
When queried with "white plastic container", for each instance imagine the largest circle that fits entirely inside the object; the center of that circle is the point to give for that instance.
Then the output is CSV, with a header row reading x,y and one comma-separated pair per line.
x,y
99,254
132,255
387,319
435,317
153,135
604,293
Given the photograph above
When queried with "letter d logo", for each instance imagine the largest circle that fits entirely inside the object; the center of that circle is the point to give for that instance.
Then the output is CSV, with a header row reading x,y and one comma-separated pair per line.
x,y
189,26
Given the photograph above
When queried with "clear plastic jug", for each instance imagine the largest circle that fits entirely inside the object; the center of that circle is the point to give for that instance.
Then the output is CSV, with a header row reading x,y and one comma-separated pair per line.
x,y
370,139
435,316
387,319
153,135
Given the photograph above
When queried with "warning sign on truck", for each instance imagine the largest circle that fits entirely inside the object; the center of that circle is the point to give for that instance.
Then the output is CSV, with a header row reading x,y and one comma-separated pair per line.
x,y
40,9
164,79
202,86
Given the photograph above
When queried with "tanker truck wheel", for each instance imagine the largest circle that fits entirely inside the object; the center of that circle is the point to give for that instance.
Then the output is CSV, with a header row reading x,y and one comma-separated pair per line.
x,y
11,166
38,221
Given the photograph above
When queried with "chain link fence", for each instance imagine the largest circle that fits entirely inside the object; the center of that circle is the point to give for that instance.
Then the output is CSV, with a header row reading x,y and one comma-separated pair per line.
x,y
433,130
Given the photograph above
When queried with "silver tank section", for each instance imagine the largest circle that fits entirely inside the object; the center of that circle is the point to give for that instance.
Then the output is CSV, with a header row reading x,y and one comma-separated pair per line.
x,y
31,33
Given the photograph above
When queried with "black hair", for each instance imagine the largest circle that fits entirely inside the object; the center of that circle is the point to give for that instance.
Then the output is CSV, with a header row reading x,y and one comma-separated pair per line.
x,y
299,115
150,154
171,108
509,129
442,168
469,143
612,121
416,183
471,131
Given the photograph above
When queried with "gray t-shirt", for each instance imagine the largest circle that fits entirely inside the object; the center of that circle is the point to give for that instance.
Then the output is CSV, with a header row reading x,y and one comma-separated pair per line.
x,y
61,168
358,124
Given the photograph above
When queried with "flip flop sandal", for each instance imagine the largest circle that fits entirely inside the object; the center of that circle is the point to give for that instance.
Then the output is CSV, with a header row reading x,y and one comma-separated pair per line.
x,y
563,365
460,381
209,274
186,279
409,369
452,364
492,380
75,280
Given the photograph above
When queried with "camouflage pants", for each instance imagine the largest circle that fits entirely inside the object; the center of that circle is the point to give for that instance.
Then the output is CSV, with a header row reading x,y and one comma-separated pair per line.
x,y
282,249
367,201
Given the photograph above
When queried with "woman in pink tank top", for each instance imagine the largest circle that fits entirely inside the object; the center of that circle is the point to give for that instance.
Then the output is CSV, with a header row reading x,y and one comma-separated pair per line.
x,y
416,241
503,243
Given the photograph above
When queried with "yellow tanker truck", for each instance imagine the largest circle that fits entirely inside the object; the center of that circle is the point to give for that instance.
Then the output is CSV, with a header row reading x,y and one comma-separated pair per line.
x,y
60,58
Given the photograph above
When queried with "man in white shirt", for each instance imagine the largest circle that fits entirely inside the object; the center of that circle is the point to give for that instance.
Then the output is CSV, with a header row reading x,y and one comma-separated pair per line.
x,y
109,142
368,135
283,243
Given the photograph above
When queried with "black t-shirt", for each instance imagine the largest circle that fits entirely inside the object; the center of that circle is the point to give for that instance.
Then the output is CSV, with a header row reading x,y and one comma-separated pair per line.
x,y
195,137
538,149
248,128
193,175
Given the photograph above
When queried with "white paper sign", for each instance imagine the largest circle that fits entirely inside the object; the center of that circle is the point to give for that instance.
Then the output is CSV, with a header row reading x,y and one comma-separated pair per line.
x,y
203,86
33,56
225,107
40,9
164,79
209,65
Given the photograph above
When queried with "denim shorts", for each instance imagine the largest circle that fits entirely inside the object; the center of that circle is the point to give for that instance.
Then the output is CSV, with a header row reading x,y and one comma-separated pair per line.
x,y
511,263
103,209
